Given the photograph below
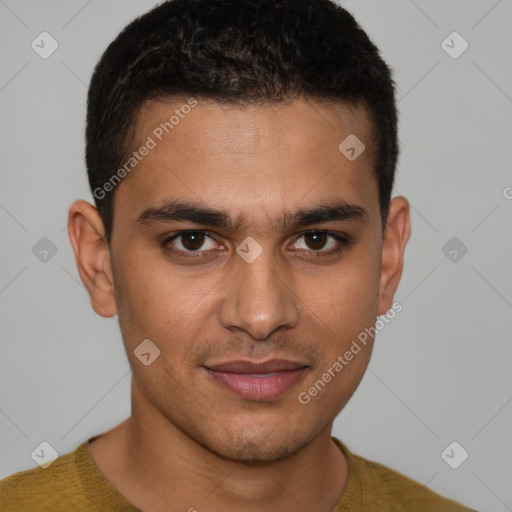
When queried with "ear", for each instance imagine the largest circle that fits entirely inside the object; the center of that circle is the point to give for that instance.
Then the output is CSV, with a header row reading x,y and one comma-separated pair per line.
x,y
396,235
87,236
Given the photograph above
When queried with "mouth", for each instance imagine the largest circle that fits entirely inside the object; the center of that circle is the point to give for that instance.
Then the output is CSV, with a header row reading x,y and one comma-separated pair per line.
x,y
257,381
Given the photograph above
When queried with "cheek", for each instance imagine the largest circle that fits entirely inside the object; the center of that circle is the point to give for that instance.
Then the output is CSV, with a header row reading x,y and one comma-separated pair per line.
x,y
143,296
343,310
347,297
156,303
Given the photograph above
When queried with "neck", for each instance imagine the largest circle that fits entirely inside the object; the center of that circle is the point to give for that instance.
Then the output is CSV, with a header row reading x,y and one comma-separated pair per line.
x,y
157,465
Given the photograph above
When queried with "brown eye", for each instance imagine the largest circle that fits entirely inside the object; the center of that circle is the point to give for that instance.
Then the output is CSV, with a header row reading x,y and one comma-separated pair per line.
x,y
322,243
192,241
316,240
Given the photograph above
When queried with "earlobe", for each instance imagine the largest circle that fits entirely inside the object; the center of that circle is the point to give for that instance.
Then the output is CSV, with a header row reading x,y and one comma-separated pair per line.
x,y
87,236
396,235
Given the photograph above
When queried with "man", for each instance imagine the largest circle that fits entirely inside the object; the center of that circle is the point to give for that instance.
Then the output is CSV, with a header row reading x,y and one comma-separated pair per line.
x,y
241,155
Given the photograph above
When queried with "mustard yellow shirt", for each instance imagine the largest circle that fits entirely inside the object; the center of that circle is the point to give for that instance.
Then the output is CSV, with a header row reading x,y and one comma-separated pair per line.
x,y
74,483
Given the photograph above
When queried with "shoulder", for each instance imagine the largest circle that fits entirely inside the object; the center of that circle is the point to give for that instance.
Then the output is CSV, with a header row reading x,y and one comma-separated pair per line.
x,y
384,489
43,489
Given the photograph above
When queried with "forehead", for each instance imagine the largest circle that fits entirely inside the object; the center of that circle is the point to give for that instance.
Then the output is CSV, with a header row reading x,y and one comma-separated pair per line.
x,y
235,126
255,162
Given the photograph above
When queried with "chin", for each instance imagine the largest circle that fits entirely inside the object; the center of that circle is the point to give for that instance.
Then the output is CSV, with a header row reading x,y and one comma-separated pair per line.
x,y
260,446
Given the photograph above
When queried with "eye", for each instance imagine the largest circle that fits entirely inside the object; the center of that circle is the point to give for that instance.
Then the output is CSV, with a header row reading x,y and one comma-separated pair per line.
x,y
188,242
322,242
199,243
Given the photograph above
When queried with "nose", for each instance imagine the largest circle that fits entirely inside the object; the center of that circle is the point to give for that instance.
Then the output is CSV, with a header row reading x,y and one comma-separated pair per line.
x,y
259,297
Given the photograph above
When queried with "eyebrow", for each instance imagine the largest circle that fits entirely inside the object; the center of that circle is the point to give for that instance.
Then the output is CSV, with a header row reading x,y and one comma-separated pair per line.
x,y
178,211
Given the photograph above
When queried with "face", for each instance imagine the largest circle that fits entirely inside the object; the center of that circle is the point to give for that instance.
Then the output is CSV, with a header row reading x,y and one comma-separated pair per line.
x,y
249,250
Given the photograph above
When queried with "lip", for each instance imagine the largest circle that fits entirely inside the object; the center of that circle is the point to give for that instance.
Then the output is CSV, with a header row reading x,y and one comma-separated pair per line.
x,y
261,381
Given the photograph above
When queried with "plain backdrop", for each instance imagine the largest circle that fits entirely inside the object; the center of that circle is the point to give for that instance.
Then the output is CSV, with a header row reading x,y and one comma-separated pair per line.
x,y
440,371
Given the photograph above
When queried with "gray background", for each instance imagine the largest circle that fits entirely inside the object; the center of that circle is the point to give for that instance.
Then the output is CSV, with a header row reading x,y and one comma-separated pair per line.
x,y
441,370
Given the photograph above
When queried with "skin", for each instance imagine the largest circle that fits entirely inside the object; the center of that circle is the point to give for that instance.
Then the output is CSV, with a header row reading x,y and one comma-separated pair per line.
x,y
190,442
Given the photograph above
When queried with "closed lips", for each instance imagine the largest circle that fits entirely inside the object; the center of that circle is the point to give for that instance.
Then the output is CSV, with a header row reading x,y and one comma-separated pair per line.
x,y
252,368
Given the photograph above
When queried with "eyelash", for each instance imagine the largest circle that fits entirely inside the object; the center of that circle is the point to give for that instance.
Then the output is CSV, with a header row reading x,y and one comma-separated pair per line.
x,y
343,240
